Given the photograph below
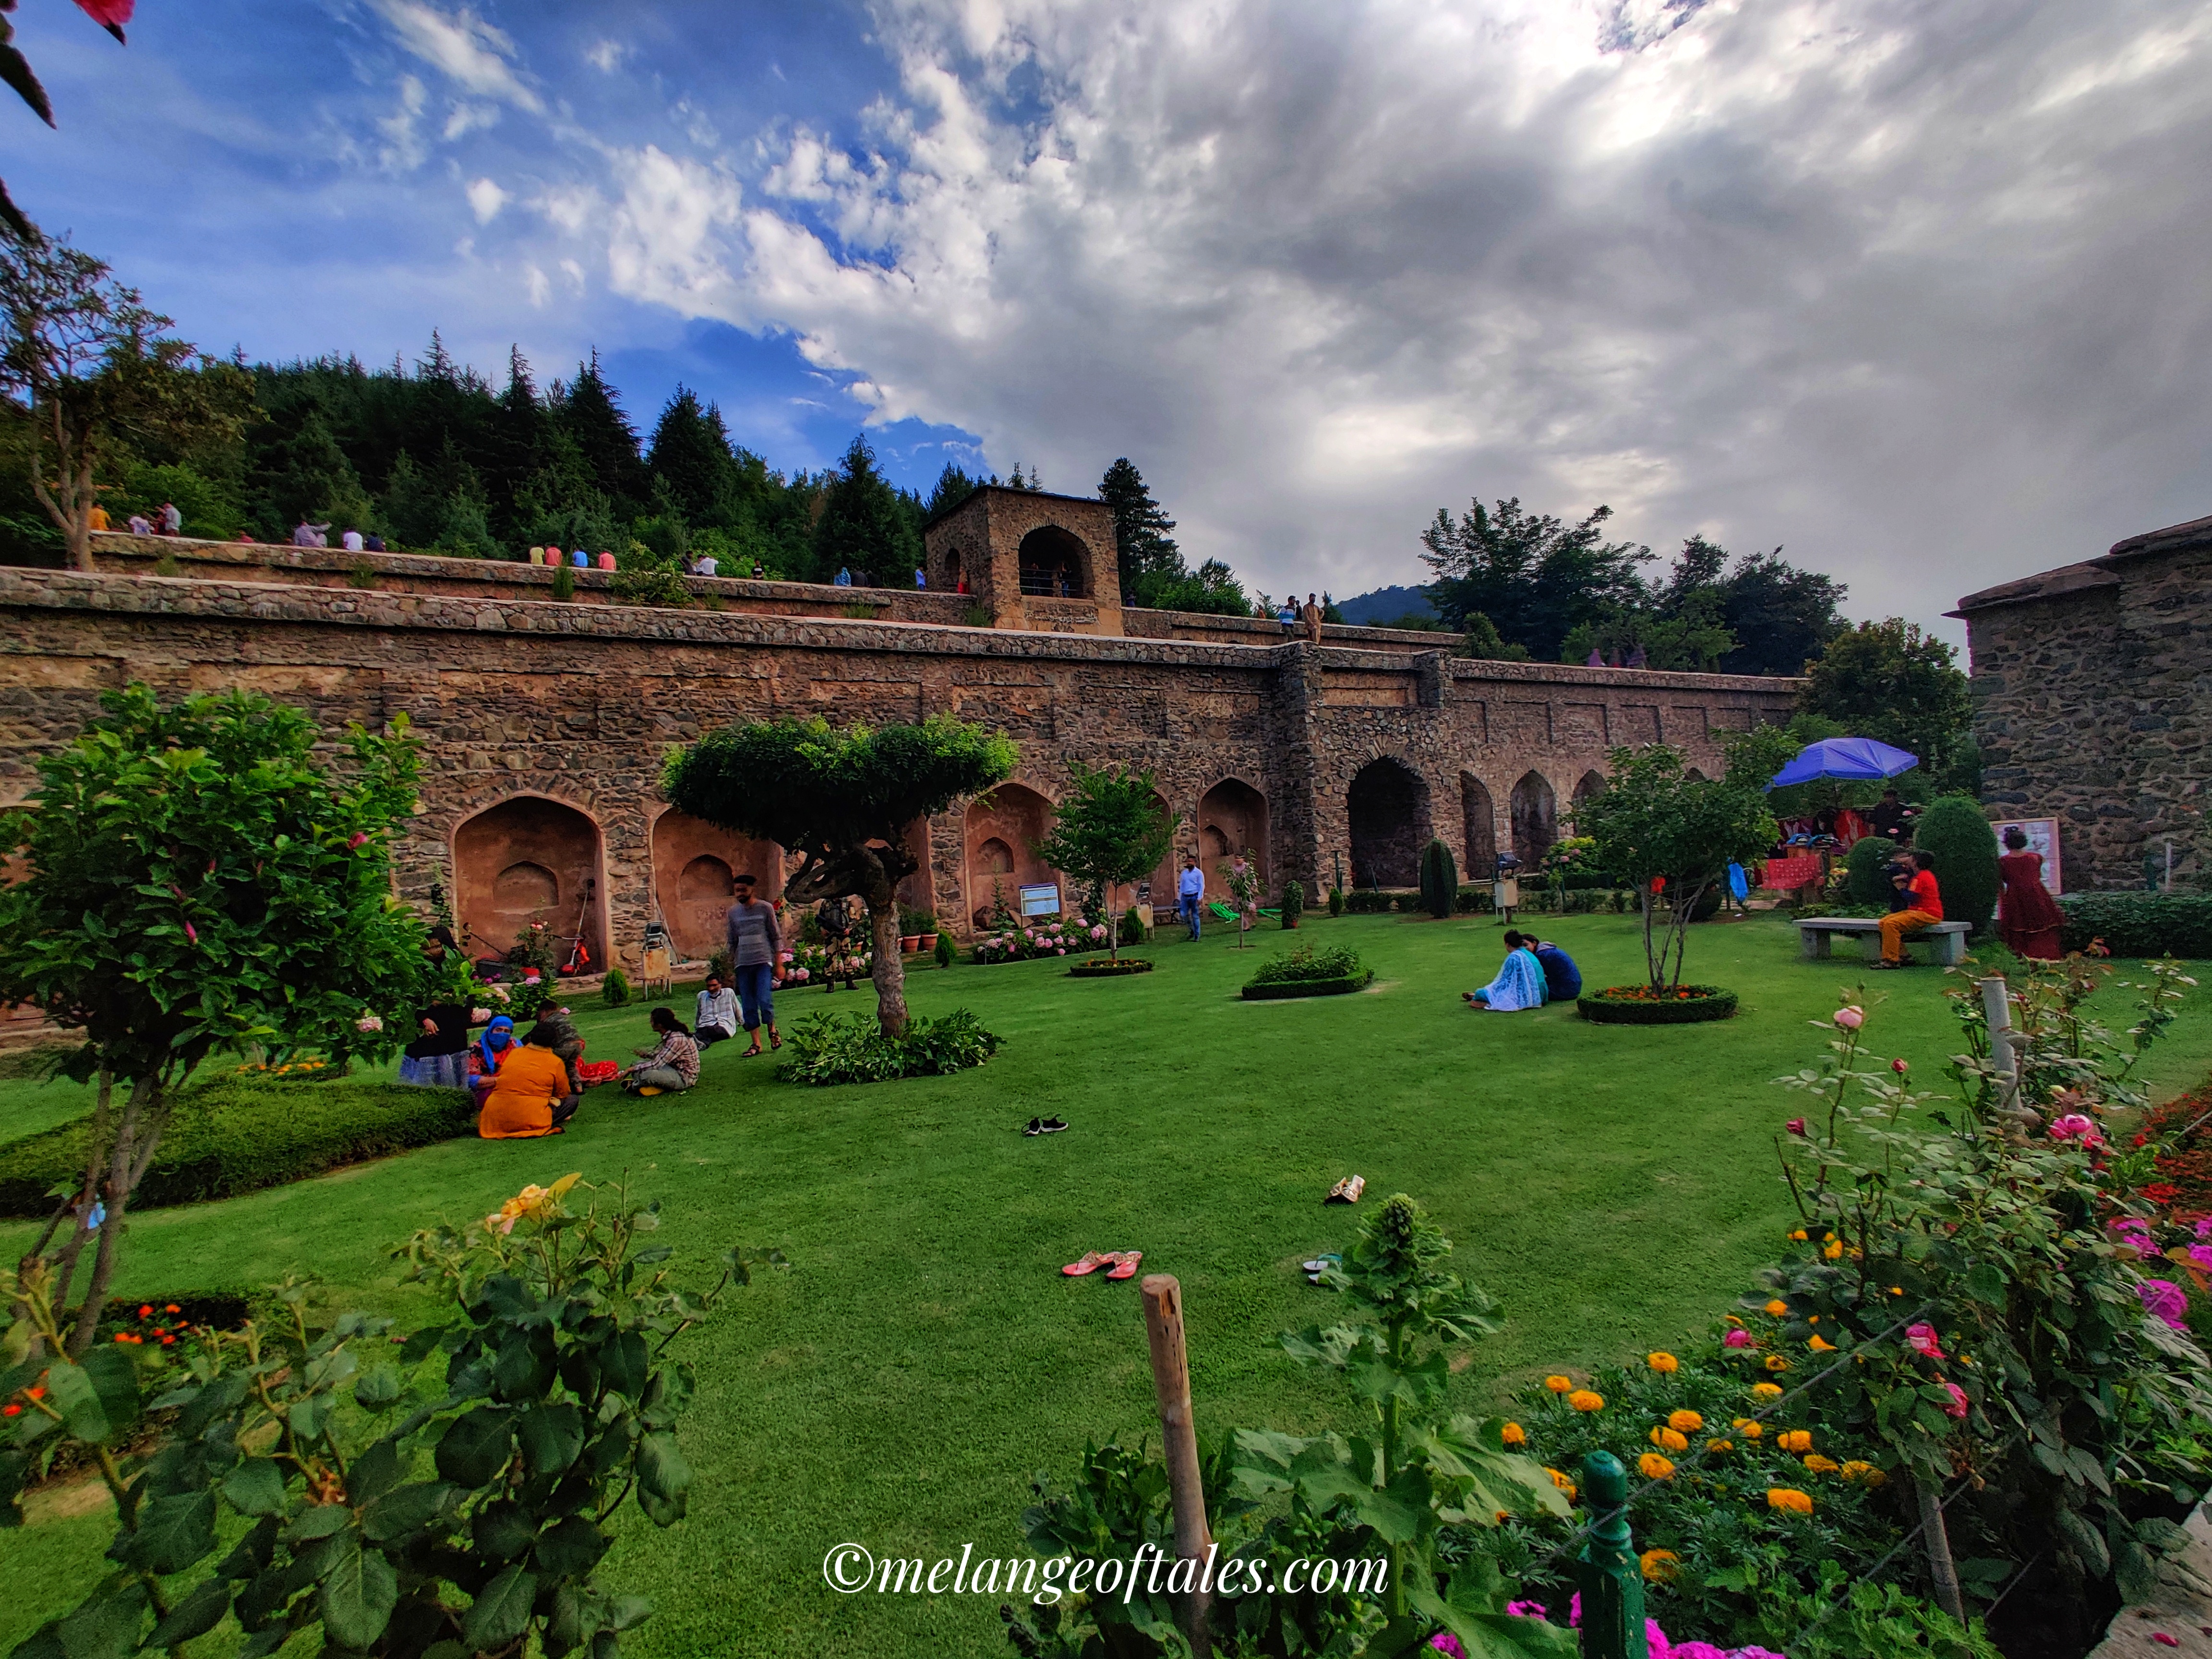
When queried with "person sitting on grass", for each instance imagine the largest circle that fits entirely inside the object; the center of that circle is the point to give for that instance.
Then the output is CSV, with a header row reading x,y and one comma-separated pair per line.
x,y
671,1064
1520,982
1923,908
556,1031
1562,981
531,1095
718,1014
492,1051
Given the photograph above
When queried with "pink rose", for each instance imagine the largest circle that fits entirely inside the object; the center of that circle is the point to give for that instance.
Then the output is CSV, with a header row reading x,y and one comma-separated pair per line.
x,y
2164,1299
1739,1339
1898,1067
1796,1126
1921,1339
1850,1019
2074,1126
358,837
1444,1642
1960,1404
191,933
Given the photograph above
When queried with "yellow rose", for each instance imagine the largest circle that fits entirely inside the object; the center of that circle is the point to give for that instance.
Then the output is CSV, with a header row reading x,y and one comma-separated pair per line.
x,y
1664,1364
1654,1466
1558,1384
1687,1422
1766,1391
1789,1500
1583,1399
1659,1566
1514,1435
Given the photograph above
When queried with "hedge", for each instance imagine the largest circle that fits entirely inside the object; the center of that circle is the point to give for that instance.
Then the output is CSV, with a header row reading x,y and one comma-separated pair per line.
x,y
1633,1005
235,1136
1284,988
1108,967
2139,924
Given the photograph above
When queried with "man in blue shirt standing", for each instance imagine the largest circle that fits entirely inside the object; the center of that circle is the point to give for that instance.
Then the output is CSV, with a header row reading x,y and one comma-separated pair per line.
x,y
1191,888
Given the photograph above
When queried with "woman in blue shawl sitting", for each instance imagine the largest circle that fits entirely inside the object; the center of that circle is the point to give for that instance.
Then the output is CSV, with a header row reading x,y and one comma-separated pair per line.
x,y
1520,982
492,1050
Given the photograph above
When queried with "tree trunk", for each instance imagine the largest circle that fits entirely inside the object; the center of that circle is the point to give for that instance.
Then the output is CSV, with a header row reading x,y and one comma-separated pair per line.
x,y
136,1138
1943,1575
889,971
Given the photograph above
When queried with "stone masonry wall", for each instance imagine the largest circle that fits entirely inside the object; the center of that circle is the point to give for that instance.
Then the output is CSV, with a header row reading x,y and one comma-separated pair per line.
x,y
2092,704
574,706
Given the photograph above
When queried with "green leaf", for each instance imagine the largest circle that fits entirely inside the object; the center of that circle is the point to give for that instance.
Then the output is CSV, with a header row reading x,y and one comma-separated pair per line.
x,y
374,1474
252,1554
172,1533
406,1510
256,1487
662,1477
196,1615
2088,1542
501,1611
73,1396
378,1389
504,1531
310,1415
105,1624
317,1520
570,1549
525,1364
551,1437
630,1611
115,1381
358,1597
1316,1346
625,1364
474,1446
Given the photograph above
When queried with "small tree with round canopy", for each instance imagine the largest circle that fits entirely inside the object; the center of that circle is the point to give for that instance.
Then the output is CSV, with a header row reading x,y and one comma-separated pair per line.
x,y
842,799
197,883
1653,822
1110,830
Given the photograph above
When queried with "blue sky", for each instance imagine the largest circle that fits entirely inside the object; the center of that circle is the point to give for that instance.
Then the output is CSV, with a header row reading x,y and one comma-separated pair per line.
x,y
1915,292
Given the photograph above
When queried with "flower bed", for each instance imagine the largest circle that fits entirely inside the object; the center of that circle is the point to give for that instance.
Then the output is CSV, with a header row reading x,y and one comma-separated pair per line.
x,y
831,1048
1109,968
1048,938
1306,970
1640,1005
1307,987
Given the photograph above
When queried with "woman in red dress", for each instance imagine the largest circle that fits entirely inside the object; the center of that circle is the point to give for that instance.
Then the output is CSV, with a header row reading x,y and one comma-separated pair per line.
x,y
2028,918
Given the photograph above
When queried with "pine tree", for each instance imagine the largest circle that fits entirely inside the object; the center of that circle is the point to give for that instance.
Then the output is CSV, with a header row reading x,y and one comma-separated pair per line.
x,y
859,529
1148,558
692,455
953,487
593,415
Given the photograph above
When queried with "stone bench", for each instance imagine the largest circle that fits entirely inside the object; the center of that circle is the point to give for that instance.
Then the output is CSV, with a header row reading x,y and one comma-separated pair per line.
x,y
1816,934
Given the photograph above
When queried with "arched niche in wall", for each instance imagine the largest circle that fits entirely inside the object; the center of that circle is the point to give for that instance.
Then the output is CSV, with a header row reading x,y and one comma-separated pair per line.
x,y
530,858
1233,819
1387,806
694,864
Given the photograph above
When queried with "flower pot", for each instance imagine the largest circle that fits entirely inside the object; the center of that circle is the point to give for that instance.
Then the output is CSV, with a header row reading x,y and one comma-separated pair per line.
x,y
909,943
925,941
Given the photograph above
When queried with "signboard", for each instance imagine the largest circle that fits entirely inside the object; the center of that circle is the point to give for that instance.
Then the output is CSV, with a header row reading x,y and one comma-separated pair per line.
x,y
2042,838
1041,900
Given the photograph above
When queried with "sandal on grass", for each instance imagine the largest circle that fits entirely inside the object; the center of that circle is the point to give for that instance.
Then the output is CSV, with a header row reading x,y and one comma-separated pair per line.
x,y
1124,1264
1346,1191
1090,1262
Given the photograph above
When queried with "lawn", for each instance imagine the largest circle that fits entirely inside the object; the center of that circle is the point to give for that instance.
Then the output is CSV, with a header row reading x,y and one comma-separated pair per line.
x,y
1613,1186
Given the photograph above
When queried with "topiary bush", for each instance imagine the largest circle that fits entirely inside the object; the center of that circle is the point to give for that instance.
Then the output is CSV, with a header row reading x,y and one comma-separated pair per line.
x,y
947,953
2139,924
1133,926
614,990
1866,878
1955,834
1336,901
1294,903
1439,879
238,1135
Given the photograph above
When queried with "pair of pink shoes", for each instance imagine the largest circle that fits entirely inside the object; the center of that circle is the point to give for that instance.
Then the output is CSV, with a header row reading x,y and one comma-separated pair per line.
x,y
1122,1264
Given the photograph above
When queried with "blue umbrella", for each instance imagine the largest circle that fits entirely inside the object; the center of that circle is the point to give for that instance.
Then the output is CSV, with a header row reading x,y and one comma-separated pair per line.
x,y
1844,758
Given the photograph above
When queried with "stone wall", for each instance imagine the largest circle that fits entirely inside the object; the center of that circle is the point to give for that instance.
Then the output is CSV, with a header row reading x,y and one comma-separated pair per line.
x,y
569,709
2092,705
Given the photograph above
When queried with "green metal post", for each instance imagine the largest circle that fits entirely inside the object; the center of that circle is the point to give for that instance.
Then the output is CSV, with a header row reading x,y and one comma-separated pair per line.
x,y
1611,1578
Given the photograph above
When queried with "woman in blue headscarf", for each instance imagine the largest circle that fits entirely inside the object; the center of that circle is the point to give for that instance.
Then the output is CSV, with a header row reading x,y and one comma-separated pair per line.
x,y
1520,982
492,1050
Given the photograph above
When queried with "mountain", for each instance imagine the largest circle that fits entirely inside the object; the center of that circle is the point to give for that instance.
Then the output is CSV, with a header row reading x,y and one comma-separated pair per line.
x,y
1385,605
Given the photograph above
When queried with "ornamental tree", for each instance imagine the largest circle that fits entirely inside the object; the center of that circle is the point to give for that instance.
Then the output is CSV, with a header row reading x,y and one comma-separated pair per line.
x,y
197,883
1653,822
842,801
1110,830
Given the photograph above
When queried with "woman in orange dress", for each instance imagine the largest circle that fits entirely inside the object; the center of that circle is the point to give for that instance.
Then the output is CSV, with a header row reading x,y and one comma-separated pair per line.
x,y
2028,918
531,1096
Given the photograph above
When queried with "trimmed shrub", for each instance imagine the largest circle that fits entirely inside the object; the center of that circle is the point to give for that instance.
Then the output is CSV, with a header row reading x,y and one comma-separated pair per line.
x,y
1865,879
1372,900
830,1048
1305,988
947,953
1639,1004
1109,967
614,990
1336,901
236,1136
1133,926
1294,903
564,584
1303,967
1439,879
1955,834
2139,924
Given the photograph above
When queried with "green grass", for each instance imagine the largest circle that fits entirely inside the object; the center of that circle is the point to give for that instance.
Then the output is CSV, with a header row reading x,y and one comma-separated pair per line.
x,y
1613,1186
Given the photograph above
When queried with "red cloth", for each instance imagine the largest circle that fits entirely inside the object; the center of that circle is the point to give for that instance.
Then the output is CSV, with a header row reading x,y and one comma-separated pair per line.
x,y
1927,897
589,1071
2028,918
1782,874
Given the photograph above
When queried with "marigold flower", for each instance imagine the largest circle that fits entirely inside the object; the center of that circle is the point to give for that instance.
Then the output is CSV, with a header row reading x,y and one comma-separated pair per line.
x,y
1514,1435
146,1310
1584,1399
1795,1440
1819,1344
1562,1483
1857,1469
1669,1439
1656,1468
1897,1290
1665,1364
1766,1391
1746,1427
1789,1500
1775,1362
36,1394
170,1307
1778,1307
1716,1447
1687,1421
1558,1384
1820,1465
1659,1566
1833,1249
1798,1236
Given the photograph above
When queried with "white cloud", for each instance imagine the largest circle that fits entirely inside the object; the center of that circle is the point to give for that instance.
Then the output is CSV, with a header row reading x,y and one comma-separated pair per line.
x,y
466,117
606,56
485,200
539,287
404,149
462,46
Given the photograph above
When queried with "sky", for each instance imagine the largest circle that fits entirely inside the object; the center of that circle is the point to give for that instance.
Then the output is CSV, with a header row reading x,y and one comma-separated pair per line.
x,y
1915,291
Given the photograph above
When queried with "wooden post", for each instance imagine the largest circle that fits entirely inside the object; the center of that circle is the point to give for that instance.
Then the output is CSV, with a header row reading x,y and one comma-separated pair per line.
x,y
1943,1573
1997,1005
1610,1576
1179,1440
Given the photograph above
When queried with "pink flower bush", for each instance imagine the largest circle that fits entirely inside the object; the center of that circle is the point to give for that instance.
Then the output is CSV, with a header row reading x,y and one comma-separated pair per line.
x,y
1921,1339
1660,1647
2164,1299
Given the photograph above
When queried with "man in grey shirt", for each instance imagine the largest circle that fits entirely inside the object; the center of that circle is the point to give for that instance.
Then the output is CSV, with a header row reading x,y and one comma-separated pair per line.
x,y
756,962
